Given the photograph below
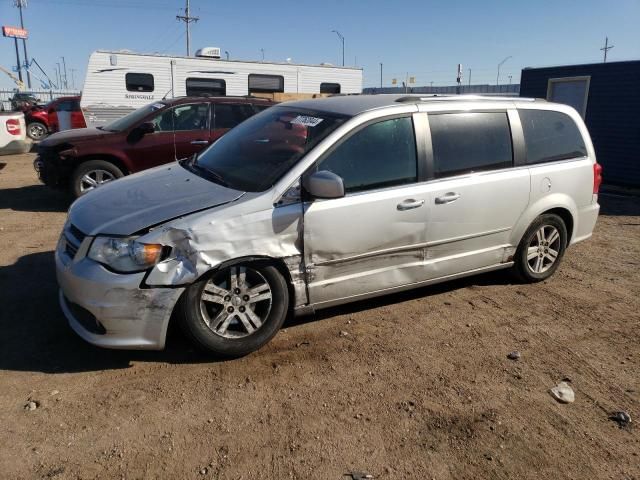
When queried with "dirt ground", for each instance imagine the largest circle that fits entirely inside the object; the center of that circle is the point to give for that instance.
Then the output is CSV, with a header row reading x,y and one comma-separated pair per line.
x,y
419,387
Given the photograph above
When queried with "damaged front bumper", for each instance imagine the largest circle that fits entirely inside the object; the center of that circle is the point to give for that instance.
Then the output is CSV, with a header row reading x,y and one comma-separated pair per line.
x,y
109,309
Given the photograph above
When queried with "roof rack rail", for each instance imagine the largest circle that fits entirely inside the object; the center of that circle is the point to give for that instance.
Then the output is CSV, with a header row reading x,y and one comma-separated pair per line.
x,y
438,97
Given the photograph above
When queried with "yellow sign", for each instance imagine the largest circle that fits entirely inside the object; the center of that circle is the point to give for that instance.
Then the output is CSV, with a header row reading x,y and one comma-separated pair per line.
x,y
394,81
412,79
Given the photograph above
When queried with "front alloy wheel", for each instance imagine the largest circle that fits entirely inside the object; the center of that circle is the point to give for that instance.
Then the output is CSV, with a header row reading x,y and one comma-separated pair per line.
x,y
236,302
236,309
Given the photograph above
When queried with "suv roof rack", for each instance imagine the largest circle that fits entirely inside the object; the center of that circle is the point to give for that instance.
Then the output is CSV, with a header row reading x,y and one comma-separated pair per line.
x,y
437,97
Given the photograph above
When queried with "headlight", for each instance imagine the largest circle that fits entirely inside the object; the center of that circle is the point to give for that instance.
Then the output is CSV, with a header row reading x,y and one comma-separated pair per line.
x,y
125,254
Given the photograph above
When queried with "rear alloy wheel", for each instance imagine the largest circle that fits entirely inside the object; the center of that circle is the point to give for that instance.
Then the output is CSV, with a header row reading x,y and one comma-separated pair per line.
x,y
235,310
37,131
93,174
541,248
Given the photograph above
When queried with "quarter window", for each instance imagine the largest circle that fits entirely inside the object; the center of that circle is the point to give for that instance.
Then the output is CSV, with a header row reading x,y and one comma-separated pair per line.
x,y
206,87
550,136
229,115
330,88
266,83
139,82
380,155
470,142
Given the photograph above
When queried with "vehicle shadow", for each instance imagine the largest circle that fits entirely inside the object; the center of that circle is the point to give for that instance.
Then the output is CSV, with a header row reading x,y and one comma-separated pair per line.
x,y
619,204
37,338
34,198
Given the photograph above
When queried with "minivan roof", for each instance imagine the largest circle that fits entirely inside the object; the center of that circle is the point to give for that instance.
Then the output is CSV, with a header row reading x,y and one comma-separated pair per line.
x,y
355,104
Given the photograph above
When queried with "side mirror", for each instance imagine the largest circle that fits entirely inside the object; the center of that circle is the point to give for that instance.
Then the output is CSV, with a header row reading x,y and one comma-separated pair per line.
x,y
146,127
324,184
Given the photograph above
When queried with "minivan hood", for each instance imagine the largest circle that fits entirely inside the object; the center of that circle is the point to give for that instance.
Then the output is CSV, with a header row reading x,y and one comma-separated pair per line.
x,y
133,203
74,135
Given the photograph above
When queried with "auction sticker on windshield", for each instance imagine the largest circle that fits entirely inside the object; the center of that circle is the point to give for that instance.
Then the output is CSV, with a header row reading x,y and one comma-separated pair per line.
x,y
306,121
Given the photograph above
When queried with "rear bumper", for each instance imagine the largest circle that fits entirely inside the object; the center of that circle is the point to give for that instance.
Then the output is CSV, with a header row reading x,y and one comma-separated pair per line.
x,y
585,222
16,147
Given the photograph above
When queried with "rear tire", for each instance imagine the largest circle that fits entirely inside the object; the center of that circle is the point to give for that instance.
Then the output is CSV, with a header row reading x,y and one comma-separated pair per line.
x,y
37,131
541,249
235,310
93,174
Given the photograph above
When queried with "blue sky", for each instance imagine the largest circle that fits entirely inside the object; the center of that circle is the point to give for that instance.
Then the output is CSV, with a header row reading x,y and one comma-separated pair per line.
x,y
426,39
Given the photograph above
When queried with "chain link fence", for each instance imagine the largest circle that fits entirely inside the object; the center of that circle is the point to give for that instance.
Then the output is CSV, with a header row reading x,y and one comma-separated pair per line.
x,y
43,95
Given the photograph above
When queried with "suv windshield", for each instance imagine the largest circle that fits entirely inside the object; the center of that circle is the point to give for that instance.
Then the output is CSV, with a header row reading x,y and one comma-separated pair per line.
x,y
256,153
132,118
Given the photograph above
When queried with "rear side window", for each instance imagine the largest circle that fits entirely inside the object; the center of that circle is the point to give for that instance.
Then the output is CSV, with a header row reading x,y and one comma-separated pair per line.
x,y
266,83
139,82
550,136
380,155
201,87
470,142
229,115
329,88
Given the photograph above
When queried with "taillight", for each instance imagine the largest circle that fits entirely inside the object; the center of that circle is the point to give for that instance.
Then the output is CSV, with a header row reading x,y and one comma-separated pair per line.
x,y
597,177
13,126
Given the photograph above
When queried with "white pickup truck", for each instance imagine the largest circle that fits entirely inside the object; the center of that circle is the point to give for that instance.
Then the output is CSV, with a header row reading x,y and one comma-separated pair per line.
x,y
13,133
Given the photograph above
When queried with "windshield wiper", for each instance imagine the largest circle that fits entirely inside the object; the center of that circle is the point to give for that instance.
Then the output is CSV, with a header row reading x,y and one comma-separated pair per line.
x,y
191,164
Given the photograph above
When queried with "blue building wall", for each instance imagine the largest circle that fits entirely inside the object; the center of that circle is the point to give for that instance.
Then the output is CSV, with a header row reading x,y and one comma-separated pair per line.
x,y
612,115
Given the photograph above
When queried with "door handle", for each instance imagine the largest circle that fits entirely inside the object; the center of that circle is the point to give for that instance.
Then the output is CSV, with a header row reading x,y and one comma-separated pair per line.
x,y
200,142
409,204
447,198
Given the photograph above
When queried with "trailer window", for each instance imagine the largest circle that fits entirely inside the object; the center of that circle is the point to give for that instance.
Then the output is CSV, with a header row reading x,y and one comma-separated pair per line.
x,y
329,88
206,87
139,82
265,83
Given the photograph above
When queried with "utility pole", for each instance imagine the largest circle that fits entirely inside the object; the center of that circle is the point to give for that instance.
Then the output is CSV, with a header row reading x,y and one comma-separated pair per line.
x,y
606,48
262,51
64,64
469,77
510,77
380,74
57,75
499,65
18,59
187,19
341,37
226,52
73,79
23,4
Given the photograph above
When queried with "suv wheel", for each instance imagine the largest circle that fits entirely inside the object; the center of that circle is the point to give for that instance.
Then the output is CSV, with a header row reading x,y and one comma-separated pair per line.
x,y
37,131
541,249
236,310
93,174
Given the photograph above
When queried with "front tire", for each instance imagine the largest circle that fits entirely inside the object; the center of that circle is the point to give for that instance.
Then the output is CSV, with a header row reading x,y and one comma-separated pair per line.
x,y
235,310
541,249
93,174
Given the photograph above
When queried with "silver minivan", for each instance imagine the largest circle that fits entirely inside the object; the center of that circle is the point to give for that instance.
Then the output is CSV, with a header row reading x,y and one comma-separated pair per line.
x,y
320,202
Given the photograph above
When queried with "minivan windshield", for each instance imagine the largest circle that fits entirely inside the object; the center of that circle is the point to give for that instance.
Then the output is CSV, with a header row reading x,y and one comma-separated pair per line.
x,y
132,118
256,153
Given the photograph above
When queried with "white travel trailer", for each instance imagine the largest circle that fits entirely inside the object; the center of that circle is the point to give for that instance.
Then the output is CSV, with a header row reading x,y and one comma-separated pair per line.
x,y
118,82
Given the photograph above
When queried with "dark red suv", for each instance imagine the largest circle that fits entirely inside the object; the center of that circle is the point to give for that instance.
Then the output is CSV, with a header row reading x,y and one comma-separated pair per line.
x,y
161,132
